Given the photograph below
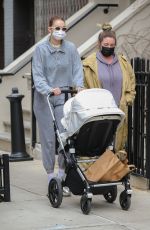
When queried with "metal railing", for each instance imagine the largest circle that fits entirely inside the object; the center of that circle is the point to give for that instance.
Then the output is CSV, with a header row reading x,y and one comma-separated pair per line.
x,y
139,120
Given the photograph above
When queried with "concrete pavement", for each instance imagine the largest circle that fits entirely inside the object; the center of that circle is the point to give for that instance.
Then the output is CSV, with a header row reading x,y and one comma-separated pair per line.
x,y
30,209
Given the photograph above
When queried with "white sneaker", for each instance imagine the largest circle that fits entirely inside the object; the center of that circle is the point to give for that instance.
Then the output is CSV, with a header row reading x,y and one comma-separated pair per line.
x,y
66,192
50,176
61,174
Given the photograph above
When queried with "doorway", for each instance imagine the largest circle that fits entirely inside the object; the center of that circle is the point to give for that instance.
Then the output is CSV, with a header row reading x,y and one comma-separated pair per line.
x,y
23,26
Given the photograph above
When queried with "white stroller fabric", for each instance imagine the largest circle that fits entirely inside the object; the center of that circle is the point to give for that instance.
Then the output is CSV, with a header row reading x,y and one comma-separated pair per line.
x,y
88,103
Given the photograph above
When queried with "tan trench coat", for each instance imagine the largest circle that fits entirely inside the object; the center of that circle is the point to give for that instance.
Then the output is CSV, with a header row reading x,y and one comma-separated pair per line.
x,y
128,90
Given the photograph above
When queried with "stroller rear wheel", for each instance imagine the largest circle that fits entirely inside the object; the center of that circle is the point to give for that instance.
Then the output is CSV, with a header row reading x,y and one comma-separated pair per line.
x,y
85,204
111,195
55,192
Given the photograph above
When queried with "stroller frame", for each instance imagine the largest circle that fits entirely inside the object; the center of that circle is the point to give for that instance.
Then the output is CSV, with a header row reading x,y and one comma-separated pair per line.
x,y
75,178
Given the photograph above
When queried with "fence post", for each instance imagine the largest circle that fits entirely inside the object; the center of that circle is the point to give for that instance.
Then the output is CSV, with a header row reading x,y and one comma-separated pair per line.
x,y
4,178
148,128
33,118
18,149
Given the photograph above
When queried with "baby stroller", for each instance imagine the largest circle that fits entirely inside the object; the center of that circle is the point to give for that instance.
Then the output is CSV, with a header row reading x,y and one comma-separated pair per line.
x,y
91,118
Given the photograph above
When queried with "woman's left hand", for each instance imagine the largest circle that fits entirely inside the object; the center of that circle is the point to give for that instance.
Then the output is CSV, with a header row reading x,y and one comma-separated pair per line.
x,y
56,91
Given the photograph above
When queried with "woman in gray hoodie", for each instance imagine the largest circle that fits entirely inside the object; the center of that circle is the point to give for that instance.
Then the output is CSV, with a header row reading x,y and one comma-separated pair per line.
x,y
56,65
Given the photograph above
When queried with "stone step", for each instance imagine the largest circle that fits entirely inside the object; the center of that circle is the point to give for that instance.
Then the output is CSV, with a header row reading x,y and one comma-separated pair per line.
x,y
36,153
5,142
139,182
27,127
26,115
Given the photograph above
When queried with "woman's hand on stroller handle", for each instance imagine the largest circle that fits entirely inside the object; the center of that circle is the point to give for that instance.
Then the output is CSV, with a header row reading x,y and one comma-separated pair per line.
x,y
58,91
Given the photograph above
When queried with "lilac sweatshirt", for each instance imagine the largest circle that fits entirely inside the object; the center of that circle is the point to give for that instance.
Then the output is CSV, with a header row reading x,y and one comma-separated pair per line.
x,y
110,76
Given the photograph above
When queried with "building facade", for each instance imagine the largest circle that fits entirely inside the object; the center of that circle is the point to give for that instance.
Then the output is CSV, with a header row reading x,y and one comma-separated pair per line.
x,y
22,23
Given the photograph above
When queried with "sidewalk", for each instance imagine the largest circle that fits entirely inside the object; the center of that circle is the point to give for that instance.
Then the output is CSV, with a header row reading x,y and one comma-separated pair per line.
x,y
30,209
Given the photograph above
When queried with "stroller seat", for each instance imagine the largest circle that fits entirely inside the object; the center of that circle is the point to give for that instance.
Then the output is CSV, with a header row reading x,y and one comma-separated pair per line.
x,y
95,136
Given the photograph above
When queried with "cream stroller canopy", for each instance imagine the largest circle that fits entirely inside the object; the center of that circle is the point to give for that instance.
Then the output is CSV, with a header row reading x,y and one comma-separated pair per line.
x,y
86,105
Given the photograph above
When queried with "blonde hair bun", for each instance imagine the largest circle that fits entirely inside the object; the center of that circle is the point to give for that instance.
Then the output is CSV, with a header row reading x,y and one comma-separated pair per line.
x,y
106,27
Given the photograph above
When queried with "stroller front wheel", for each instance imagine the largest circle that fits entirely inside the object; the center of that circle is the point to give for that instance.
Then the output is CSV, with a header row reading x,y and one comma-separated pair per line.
x,y
55,192
85,204
125,200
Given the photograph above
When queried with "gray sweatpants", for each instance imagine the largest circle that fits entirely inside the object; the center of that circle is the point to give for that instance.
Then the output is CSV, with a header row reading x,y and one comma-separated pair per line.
x,y
46,128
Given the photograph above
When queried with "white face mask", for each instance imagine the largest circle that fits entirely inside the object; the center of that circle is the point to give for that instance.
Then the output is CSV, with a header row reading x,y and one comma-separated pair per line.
x,y
59,34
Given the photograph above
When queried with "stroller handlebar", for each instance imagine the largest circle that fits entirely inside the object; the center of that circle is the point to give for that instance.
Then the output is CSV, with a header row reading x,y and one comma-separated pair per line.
x,y
65,91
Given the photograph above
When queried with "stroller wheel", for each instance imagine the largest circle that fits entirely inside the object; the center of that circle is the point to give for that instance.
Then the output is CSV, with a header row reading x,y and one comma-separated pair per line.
x,y
125,200
55,192
85,204
111,195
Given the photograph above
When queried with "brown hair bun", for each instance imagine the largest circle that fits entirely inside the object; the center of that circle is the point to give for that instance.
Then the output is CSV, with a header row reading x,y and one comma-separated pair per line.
x,y
106,27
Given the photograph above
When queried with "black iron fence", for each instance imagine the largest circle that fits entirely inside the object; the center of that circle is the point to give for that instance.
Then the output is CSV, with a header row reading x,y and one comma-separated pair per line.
x,y
139,120
4,178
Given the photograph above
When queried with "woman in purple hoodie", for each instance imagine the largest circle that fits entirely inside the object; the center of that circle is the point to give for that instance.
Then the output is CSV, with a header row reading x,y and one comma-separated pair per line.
x,y
105,69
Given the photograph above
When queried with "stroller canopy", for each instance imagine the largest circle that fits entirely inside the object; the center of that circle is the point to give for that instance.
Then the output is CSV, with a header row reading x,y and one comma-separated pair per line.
x,y
88,104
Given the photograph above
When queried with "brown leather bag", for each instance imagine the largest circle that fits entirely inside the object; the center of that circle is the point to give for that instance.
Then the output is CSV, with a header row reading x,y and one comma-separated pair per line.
x,y
107,168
